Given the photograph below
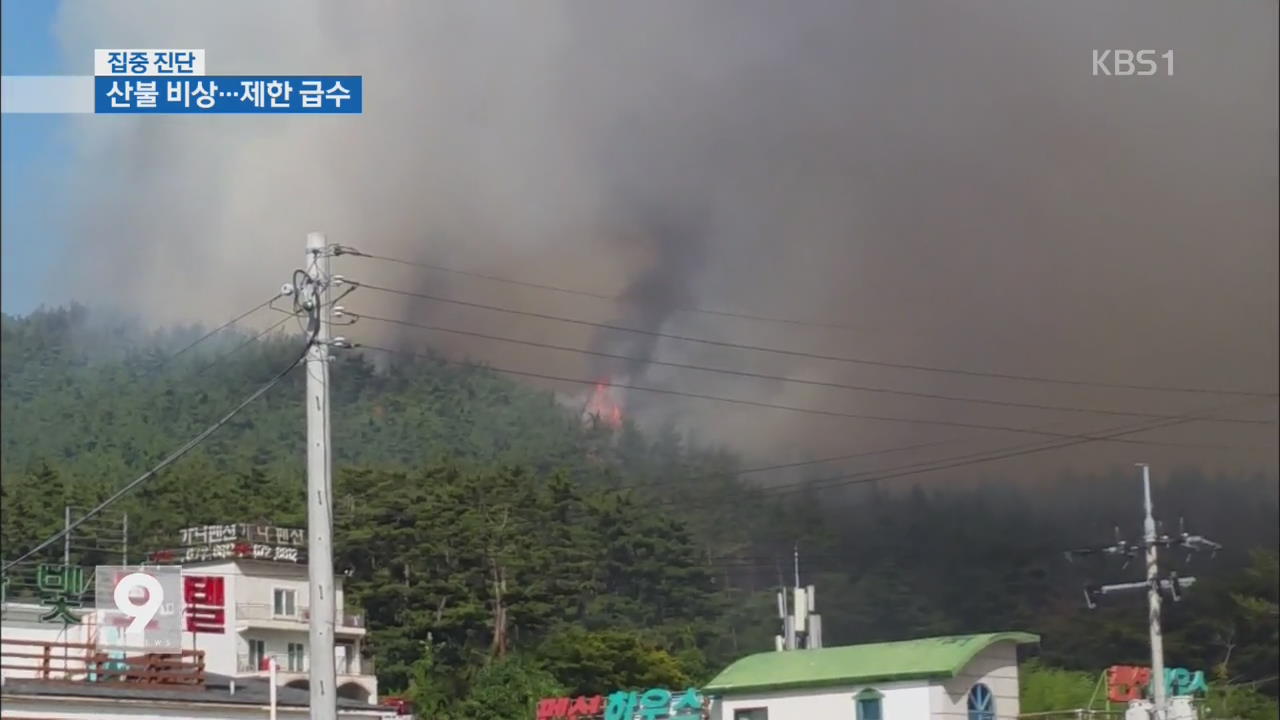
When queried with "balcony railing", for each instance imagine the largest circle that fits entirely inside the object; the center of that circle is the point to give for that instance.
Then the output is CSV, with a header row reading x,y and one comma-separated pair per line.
x,y
357,665
263,611
345,619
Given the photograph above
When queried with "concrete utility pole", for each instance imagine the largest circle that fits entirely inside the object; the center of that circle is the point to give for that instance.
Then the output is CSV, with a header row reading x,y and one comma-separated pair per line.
x,y
319,485
1149,539
1152,541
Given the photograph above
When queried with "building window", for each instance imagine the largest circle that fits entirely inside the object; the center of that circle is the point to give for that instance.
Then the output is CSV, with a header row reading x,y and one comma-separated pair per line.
x,y
257,654
869,705
982,706
297,657
751,714
285,605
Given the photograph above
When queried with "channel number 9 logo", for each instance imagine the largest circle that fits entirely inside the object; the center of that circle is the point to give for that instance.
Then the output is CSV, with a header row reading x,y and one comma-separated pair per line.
x,y
135,587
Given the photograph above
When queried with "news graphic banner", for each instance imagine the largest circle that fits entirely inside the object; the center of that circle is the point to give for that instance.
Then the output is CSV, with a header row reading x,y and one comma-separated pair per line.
x,y
175,82
139,607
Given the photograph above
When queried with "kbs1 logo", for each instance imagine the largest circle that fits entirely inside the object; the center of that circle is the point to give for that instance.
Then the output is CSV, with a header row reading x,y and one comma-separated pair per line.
x,y
1128,63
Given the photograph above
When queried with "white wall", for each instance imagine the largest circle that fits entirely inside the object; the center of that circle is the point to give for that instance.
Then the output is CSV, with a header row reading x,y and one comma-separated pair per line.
x,y
997,668
260,578
45,708
21,623
99,710
902,701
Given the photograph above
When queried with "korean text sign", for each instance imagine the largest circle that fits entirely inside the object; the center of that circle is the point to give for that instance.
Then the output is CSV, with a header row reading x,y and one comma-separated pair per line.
x,y
148,62
229,94
205,599
1126,683
652,704
62,589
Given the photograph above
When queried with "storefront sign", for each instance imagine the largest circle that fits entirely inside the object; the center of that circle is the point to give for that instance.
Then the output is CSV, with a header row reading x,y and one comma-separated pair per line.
x,y
1126,682
579,708
236,541
243,532
62,588
205,603
652,704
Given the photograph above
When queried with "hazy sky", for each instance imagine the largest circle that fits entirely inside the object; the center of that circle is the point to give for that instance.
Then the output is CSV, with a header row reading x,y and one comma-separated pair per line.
x,y
948,181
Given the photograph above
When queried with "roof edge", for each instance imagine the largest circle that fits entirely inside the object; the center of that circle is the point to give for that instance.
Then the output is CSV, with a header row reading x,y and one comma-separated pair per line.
x,y
799,684
1016,637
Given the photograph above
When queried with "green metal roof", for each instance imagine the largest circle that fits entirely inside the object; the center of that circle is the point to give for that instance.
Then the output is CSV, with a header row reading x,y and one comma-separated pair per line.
x,y
939,657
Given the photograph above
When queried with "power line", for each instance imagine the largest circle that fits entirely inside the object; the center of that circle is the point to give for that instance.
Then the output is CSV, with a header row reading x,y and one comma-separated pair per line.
x,y
811,355
868,476
783,378
813,411
342,250
976,458
222,327
243,345
802,463
783,466
173,457
864,477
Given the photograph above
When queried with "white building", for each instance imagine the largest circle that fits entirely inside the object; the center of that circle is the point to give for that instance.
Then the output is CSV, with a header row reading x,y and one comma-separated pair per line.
x,y
966,677
263,613
267,616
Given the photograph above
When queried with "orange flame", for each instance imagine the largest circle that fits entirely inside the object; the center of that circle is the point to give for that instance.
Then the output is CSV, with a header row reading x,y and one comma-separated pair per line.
x,y
604,407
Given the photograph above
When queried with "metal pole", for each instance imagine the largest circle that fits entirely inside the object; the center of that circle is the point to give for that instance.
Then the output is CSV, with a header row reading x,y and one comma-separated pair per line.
x,y
1153,597
319,512
124,540
796,555
271,665
66,565
66,538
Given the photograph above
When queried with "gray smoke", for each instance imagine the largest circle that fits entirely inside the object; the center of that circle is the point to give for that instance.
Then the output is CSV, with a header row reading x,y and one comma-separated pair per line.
x,y
675,240
948,181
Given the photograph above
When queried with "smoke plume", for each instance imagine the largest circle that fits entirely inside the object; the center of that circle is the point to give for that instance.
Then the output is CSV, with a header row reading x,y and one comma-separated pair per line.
x,y
948,182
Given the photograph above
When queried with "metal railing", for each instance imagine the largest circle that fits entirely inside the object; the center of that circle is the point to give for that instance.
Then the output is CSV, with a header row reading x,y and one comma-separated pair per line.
x,y
344,619
246,664
357,665
353,665
301,614
266,611
81,662
1092,714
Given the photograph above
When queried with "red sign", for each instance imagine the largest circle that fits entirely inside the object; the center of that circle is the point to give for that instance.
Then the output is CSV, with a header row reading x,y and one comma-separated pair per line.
x,y
1125,682
205,600
570,708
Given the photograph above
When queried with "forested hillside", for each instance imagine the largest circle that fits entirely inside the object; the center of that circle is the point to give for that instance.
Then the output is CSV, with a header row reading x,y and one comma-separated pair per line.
x,y
497,544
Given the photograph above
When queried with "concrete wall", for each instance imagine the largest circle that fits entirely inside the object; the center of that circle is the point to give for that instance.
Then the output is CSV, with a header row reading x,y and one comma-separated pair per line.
x,y
902,701
997,668
46,708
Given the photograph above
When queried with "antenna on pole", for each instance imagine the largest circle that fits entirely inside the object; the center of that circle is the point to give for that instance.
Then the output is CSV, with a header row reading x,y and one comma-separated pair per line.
x,y
801,624
796,555
1154,585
